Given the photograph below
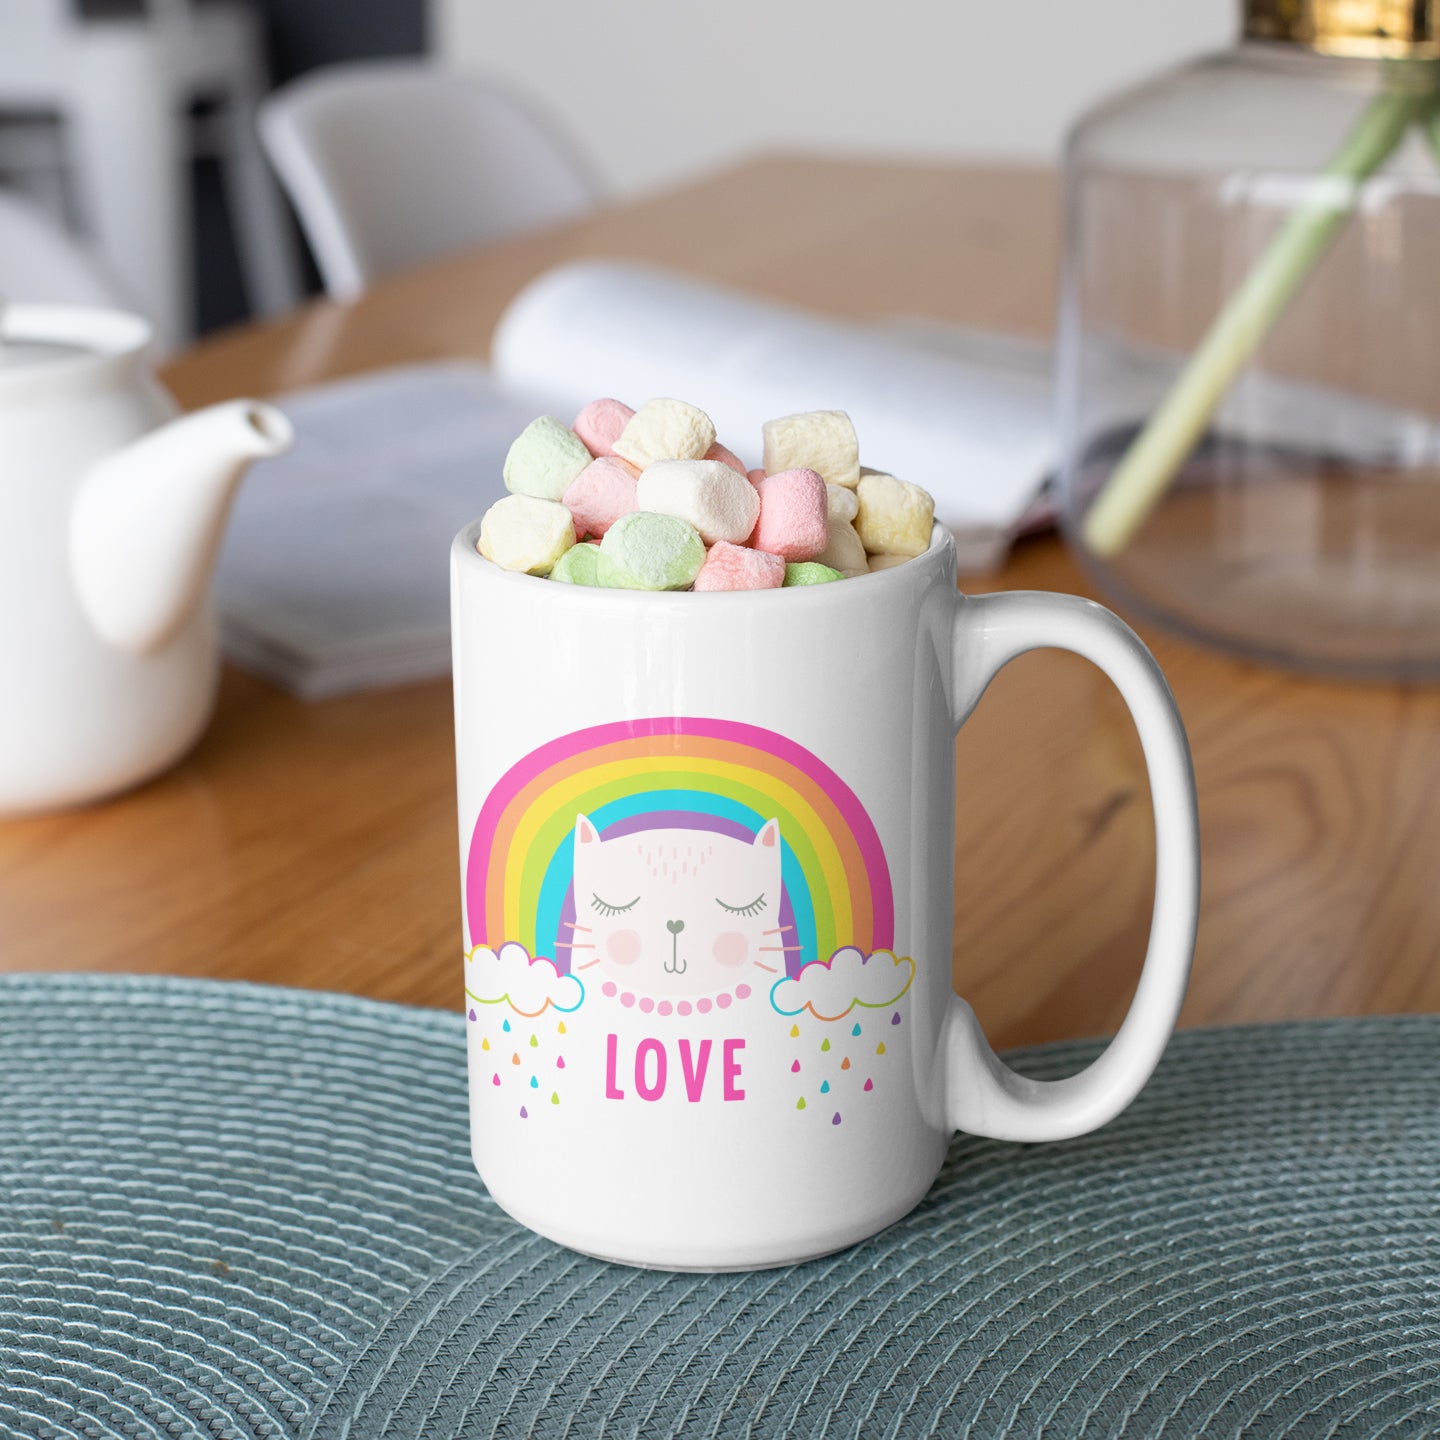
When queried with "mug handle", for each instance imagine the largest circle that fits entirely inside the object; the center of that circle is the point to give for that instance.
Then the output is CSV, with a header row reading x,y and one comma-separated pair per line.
x,y
982,1094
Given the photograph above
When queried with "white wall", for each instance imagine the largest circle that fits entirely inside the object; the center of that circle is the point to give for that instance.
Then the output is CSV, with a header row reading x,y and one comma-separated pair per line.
x,y
656,89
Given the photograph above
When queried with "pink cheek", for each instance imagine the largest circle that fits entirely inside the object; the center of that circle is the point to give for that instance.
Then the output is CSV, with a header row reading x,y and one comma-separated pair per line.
x,y
623,947
731,948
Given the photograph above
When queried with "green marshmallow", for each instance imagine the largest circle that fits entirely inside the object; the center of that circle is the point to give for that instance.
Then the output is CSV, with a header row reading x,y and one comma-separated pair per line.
x,y
645,551
810,572
578,566
544,459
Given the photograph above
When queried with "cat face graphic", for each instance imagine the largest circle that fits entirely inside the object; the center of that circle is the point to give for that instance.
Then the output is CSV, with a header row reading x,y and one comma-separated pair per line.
x,y
678,913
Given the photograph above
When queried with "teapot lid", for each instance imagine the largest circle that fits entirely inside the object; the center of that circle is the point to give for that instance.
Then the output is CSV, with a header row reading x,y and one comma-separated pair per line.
x,y
47,350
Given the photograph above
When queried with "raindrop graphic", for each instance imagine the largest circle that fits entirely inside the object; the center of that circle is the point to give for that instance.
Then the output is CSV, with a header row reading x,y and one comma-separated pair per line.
x,y
869,1084
515,1058
845,1063
496,1080
795,1068
800,1103
484,1044
560,1028
835,1119
824,1087
794,1032
534,1043
506,1027
524,1113
824,1044
895,1018
856,1030
534,1083
559,1062
880,1048
473,1015
554,1097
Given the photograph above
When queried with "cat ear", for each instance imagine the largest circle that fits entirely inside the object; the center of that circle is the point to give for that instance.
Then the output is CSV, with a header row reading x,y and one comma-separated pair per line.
x,y
769,835
585,832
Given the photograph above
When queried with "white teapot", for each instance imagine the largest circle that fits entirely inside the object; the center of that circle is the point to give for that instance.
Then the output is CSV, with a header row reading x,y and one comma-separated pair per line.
x,y
111,512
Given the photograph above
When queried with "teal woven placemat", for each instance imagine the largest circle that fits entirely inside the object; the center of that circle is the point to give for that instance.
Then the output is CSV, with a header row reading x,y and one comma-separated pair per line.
x,y
234,1211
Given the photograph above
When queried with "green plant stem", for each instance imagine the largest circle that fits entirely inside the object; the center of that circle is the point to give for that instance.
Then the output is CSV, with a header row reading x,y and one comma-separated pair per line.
x,y
1168,437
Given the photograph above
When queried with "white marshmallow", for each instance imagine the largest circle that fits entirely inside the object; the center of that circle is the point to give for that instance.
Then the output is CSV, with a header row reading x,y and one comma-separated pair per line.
x,y
523,533
895,517
840,503
717,500
819,440
843,551
665,430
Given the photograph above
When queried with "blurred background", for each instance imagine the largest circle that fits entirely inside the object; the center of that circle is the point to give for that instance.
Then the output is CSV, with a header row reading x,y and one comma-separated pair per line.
x,y
654,91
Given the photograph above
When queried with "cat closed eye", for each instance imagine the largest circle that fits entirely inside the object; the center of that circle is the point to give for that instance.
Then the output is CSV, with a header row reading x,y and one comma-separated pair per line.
x,y
604,907
752,909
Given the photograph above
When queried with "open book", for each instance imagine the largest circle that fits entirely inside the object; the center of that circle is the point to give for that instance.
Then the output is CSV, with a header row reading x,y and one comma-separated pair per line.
x,y
334,573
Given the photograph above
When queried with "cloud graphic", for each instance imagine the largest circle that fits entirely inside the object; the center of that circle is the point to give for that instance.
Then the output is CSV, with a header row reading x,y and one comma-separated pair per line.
x,y
831,989
512,978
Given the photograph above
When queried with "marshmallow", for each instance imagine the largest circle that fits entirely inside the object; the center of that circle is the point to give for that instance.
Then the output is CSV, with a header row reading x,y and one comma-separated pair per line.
x,y
600,494
843,551
738,567
644,551
840,503
755,476
599,425
578,566
728,457
544,459
808,572
895,517
665,430
888,562
523,533
820,440
718,502
792,515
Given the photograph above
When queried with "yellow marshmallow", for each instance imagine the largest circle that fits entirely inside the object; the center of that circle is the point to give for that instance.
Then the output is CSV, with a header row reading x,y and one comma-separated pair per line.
x,y
895,517
819,440
665,430
887,562
523,533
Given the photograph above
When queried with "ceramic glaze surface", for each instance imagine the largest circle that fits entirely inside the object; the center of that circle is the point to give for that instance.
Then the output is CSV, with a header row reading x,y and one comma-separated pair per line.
x,y
707,861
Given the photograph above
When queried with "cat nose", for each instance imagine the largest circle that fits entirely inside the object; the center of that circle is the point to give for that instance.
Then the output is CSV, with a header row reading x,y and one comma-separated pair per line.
x,y
674,926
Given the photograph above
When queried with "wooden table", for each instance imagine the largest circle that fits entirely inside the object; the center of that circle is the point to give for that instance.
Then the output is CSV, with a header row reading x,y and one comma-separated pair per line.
x,y
315,844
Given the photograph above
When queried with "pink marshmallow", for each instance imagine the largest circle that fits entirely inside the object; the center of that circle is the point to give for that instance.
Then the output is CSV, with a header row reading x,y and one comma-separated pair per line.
x,y
728,457
599,425
737,567
756,476
792,521
600,494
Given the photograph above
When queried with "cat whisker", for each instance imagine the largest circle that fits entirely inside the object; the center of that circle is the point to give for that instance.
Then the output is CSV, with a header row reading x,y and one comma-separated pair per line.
x,y
761,965
780,947
589,963
574,945
575,926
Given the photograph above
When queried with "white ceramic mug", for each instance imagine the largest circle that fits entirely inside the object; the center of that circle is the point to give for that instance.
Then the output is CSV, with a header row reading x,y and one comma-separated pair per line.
x,y
707,859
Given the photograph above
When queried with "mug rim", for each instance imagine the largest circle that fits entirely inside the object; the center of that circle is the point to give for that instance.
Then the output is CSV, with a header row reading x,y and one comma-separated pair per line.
x,y
933,558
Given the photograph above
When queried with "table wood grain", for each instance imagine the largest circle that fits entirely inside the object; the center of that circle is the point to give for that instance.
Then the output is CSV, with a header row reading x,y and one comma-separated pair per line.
x,y
316,844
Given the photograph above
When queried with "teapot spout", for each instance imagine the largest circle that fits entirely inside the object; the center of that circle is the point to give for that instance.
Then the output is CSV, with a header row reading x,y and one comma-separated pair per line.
x,y
146,524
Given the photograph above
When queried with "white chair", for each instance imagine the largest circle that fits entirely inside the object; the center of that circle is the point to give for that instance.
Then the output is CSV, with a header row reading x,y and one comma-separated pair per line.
x,y
41,264
122,89
392,163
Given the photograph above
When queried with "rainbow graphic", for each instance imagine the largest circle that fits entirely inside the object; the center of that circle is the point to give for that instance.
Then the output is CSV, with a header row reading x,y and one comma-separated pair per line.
x,y
676,773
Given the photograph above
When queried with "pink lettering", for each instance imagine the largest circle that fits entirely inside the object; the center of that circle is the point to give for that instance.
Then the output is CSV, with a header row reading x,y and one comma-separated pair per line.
x,y
644,1088
612,1090
694,1069
731,1071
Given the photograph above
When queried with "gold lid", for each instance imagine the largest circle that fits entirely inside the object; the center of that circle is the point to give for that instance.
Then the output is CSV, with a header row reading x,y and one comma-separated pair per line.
x,y
1391,29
